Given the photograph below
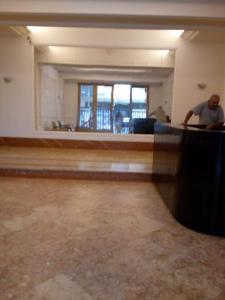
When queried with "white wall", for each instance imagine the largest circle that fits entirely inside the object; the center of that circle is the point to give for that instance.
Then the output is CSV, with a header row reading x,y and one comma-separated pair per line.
x,y
167,94
162,94
119,7
106,57
105,38
140,76
155,96
70,103
196,63
16,97
51,106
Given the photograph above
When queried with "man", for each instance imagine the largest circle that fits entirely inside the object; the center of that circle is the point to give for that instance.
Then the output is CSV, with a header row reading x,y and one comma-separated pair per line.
x,y
210,113
160,114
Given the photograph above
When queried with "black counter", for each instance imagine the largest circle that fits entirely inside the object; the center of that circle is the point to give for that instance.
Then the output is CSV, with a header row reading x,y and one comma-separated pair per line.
x,y
143,126
189,173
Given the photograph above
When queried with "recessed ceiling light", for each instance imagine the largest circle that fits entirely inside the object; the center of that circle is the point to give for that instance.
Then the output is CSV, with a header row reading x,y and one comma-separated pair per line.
x,y
164,52
35,29
117,70
176,33
52,47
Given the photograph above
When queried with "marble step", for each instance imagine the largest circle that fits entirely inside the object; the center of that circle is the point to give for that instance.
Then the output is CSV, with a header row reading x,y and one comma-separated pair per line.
x,y
88,164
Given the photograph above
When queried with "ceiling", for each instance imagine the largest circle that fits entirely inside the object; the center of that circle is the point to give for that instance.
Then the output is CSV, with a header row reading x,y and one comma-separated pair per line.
x,y
195,36
7,31
116,24
150,72
202,36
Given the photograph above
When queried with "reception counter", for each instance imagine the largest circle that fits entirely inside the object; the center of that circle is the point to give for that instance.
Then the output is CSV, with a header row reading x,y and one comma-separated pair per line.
x,y
189,173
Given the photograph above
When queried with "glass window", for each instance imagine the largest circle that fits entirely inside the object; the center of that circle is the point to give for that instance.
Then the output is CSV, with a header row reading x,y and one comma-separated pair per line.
x,y
139,102
86,106
111,107
121,108
103,113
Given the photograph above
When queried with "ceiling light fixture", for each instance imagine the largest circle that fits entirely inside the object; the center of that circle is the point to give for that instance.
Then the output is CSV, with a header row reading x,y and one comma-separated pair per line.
x,y
176,33
117,70
52,47
164,52
35,29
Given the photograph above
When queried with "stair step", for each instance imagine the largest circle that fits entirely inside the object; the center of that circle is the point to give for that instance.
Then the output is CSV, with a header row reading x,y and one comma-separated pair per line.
x,y
104,165
75,174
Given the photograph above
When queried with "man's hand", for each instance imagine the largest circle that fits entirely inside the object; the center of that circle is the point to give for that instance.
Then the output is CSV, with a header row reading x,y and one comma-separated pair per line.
x,y
210,126
188,116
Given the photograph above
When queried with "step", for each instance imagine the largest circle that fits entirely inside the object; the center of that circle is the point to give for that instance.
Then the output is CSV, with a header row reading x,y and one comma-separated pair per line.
x,y
77,164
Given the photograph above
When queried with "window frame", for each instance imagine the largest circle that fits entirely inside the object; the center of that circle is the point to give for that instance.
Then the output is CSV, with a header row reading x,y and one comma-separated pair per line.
x,y
110,83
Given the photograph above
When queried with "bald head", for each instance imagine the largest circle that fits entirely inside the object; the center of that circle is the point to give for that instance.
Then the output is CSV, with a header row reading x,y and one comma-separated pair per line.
x,y
213,101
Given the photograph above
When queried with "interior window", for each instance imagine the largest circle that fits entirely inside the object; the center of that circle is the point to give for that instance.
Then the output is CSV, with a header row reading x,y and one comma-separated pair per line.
x,y
139,102
86,106
112,107
104,108
121,108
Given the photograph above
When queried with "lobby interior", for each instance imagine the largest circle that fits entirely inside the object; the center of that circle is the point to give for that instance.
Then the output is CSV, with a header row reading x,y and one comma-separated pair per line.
x,y
80,216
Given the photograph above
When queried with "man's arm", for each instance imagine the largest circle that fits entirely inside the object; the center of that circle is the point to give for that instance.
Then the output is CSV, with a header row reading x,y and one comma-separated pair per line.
x,y
187,118
220,120
152,113
211,126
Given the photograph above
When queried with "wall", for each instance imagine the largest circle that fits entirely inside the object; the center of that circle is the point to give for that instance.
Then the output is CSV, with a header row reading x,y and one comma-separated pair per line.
x,y
196,63
162,94
167,94
106,57
160,8
137,76
51,106
16,97
70,103
105,38
155,96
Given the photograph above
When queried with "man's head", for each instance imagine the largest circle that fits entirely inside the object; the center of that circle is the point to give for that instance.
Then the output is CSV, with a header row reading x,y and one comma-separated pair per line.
x,y
213,101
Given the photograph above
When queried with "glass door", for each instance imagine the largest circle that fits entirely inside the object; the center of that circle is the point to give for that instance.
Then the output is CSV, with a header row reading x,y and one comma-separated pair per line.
x,y
95,107
121,108
104,108
111,107
139,96
86,116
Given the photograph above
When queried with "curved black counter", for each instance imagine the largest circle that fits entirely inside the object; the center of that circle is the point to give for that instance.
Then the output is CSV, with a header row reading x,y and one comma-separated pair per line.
x,y
189,173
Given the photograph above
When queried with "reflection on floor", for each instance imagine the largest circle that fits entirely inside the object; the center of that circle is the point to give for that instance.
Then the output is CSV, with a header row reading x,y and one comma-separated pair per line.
x,y
76,163
96,240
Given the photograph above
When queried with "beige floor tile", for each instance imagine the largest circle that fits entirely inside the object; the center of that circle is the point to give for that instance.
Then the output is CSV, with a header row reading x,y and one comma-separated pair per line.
x,y
68,239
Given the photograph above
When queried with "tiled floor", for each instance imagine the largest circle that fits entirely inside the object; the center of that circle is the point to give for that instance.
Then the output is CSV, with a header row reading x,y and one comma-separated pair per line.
x,y
101,240
75,160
